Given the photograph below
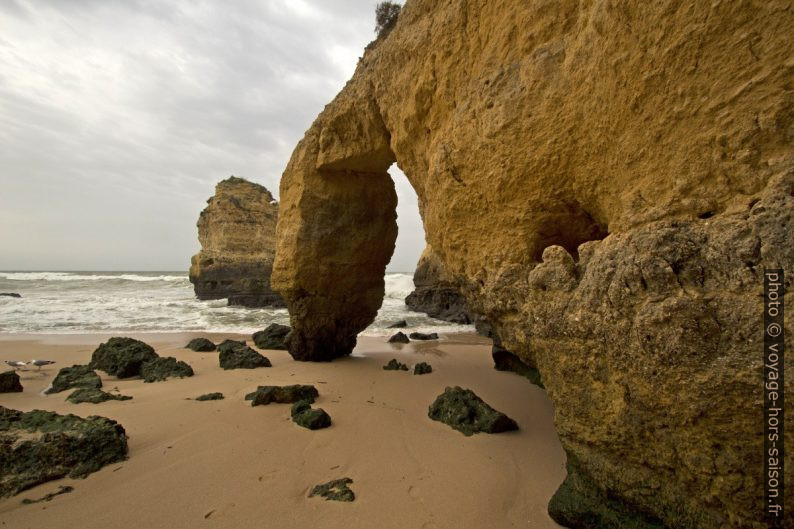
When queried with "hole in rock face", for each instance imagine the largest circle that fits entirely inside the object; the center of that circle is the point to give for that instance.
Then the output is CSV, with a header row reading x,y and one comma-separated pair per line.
x,y
411,233
706,215
568,225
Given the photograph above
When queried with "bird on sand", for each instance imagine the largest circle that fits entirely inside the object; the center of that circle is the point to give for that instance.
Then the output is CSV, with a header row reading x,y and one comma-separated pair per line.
x,y
39,363
16,364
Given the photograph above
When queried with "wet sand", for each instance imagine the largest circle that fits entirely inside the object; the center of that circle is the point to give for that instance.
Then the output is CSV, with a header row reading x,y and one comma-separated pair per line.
x,y
225,464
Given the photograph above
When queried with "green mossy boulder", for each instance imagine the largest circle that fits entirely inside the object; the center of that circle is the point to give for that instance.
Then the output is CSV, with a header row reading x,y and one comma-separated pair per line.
x,y
242,357
282,394
423,336
422,368
312,418
210,396
162,368
469,414
229,345
200,345
336,490
77,376
394,365
122,357
273,337
94,396
40,446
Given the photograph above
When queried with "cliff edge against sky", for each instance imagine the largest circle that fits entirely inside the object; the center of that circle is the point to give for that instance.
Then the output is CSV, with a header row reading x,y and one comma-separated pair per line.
x,y
605,182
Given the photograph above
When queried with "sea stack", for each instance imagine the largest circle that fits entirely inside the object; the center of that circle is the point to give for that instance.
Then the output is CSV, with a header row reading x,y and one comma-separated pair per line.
x,y
237,232
435,293
606,185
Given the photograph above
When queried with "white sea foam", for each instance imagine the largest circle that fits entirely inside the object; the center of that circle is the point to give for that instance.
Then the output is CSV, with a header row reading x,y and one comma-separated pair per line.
x,y
82,302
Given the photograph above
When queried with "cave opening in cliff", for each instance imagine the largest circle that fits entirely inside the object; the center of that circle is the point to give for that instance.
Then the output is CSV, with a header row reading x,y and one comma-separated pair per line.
x,y
568,225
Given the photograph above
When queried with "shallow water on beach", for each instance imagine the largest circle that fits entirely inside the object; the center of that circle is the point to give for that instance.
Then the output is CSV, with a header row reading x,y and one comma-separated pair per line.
x,y
81,302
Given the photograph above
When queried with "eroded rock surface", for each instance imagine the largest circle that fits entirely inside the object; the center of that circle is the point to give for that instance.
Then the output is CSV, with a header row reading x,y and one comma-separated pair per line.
x,y
237,232
241,357
39,446
605,183
335,490
200,345
163,368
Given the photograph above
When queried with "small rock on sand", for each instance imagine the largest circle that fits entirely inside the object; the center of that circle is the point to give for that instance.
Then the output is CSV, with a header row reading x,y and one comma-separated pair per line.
x,y
93,396
273,337
336,490
200,345
282,394
467,413
423,336
9,382
394,365
400,337
210,396
422,368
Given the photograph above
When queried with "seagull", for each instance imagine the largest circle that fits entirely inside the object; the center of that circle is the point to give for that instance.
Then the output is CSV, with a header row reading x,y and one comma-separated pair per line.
x,y
39,363
16,364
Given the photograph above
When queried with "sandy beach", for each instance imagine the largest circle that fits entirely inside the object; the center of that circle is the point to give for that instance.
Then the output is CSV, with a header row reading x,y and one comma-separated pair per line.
x,y
224,464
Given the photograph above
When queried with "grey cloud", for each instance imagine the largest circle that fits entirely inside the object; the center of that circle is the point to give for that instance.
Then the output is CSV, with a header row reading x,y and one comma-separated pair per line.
x,y
118,117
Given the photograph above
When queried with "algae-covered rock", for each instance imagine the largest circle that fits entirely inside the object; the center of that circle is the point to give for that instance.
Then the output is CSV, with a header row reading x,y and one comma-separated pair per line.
x,y
312,418
200,345
122,357
162,368
228,345
422,368
504,360
77,376
423,336
210,396
394,365
39,446
94,396
400,337
9,382
336,490
242,357
272,337
282,394
464,411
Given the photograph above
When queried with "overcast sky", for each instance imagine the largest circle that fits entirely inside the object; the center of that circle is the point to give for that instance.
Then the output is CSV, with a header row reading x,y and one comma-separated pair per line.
x,y
117,118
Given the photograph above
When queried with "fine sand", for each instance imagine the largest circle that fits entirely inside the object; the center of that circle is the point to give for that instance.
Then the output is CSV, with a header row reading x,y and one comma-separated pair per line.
x,y
226,464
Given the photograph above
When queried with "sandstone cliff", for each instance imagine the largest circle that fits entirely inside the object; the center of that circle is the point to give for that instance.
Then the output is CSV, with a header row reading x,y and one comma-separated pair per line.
x,y
605,182
237,232
435,293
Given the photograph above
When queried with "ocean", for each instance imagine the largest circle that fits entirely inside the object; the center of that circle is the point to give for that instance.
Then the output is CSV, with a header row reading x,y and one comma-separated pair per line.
x,y
88,302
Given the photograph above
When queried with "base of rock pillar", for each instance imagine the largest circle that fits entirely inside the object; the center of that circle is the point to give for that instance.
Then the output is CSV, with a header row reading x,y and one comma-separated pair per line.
x,y
320,347
580,504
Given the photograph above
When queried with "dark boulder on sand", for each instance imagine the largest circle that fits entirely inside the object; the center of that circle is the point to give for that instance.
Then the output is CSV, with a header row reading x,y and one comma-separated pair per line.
x,y
422,368
94,396
423,336
162,368
228,345
200,345
242,357
210,396
9,382
400,337
398,325
10,294
336,490
312,418
39,446
77,376
467,413
282,394
122,357
394,365
272,337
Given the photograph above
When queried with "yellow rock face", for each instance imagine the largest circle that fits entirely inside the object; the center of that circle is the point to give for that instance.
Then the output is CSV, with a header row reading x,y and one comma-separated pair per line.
x,y
605,182
237,232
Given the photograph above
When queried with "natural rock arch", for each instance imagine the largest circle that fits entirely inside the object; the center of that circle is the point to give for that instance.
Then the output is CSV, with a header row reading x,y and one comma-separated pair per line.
x,y
529,131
